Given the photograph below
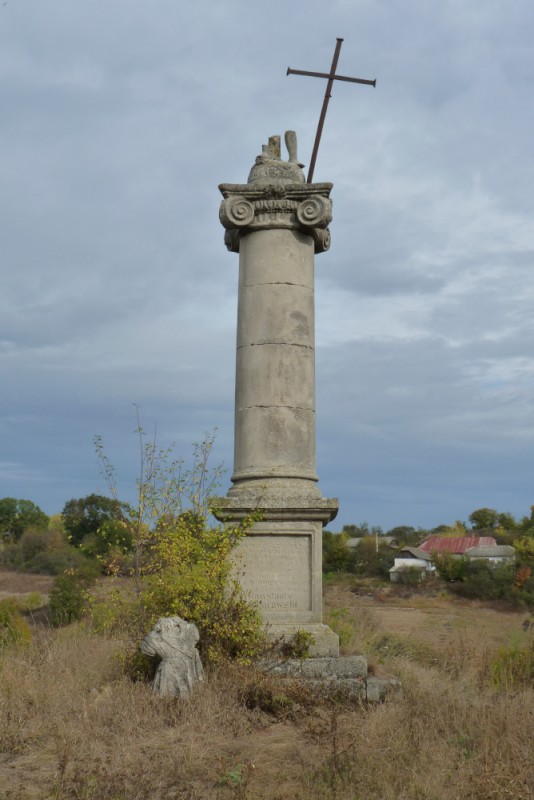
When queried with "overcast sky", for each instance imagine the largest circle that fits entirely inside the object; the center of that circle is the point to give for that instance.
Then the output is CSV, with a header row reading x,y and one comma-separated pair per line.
x,y
119,119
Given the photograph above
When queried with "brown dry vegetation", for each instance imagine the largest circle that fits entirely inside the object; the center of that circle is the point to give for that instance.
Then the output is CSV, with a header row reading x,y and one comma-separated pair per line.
x,y
435,618
73,728
18,584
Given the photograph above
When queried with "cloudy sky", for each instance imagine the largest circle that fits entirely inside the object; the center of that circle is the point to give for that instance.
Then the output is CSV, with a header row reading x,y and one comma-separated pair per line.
x,y
119,119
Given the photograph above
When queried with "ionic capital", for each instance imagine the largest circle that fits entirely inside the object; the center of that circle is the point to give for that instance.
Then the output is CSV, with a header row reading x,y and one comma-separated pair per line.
x,y
297,206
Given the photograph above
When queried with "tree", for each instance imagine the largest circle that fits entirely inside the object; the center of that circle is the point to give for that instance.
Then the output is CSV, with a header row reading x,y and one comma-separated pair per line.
x,y
354,531
337,555
372,561
507,522
407,535
18,515
95,516
484,518
401,532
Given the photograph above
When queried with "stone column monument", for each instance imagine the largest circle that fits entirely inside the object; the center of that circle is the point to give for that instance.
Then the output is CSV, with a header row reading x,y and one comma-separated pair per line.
x,y
277,222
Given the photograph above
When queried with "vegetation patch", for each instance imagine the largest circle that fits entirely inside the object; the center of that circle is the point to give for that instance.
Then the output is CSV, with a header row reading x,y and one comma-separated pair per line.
x,y
14,630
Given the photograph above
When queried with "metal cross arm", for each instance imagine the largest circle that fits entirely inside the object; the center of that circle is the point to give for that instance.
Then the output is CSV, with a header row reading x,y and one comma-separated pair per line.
x,y
327,75
331,77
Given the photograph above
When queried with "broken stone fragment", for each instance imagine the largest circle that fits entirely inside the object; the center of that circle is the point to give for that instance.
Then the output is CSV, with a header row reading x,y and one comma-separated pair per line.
x,y
173,640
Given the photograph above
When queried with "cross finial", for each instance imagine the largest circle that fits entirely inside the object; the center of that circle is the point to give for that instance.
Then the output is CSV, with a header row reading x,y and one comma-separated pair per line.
x,y
331,77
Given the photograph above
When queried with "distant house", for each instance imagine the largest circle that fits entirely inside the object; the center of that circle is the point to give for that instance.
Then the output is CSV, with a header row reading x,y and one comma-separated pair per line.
x,y
411,558
497,554
390,541
455,545
354,541
475,548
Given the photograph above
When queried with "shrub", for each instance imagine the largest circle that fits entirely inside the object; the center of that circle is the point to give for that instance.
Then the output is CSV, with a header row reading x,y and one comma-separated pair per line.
x,y
69,597
13,628
337,555
449,567
188,574
181,563
57,562
411,576
44,552
486,581
11,556
297,646
373,558
33,541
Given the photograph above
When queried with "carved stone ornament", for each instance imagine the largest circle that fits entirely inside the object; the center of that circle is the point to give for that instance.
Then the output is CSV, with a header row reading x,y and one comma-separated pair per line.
x,y
173,640
276,196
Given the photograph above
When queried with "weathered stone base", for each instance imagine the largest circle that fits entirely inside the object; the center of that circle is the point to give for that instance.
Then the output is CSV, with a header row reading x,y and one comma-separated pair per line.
x,y
345,674
325,668
279,562
325,643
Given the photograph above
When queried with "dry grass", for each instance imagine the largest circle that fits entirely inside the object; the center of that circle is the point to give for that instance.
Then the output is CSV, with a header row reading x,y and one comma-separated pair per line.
x,y
73,728
20,584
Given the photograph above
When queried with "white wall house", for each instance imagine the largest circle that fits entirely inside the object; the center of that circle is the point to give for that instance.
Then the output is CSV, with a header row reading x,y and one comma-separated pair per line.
x,y
411,557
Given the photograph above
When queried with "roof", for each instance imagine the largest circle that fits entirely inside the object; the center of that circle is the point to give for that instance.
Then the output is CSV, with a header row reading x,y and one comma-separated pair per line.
x,y
391,541
496,551
457,545
414,552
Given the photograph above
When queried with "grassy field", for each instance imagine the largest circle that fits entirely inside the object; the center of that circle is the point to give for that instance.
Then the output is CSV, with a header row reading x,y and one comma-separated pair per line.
x,y
73,727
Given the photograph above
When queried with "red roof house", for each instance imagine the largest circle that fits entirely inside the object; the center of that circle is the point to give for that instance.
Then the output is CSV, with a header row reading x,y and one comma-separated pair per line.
x,y
455,545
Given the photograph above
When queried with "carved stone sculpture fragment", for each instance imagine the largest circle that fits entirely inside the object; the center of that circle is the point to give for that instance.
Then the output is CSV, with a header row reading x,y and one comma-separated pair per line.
x,y
173,640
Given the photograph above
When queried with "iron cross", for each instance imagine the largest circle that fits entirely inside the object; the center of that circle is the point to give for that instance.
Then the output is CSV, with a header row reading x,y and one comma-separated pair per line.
x,y
331,77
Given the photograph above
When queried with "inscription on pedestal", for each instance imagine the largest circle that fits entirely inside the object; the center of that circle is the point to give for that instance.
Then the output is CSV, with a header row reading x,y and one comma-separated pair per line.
x,y
275,571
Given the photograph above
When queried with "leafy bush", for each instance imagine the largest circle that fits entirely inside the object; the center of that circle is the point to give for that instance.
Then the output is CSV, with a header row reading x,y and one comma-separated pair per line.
x,y
486,581
181,563
297,646
56,562
11,556
373,561
411,576
32,542
337,555
187,573
13,627
451,568
68,598
45,552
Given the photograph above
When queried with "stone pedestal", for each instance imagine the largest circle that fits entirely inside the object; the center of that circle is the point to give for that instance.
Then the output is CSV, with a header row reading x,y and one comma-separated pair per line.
x,y
279,564
277,222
